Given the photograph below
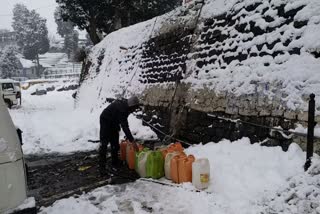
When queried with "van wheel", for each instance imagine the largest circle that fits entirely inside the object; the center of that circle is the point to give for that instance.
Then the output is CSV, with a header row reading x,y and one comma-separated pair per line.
x,y
8,103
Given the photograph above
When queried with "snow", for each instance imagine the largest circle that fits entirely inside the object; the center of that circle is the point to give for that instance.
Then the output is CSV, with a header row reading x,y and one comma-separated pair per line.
x,y
50,124
49,60
27,204
93,89
300,129
245,178
26,63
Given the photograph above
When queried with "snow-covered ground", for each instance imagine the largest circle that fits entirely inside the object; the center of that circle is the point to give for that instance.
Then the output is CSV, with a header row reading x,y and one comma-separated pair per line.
x,y
245,178
50,124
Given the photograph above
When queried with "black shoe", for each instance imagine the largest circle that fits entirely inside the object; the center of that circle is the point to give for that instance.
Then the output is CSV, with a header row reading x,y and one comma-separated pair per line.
x,y
103,172
114,168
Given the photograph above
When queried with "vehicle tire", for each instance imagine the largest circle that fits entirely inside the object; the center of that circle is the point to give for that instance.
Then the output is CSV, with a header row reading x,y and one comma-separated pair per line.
x,y
8,103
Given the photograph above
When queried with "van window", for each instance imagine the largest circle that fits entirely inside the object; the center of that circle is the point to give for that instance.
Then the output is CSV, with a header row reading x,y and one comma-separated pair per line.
x,y
6,86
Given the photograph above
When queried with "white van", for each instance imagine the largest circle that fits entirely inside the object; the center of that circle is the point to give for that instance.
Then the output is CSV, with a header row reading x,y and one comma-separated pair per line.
x,y
9,92
13,187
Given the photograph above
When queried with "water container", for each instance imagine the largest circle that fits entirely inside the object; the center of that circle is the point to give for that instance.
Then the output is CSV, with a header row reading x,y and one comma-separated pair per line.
x,y
131,156
167,162
155,165
136,162
201,173
142,159
176,147
164,152
185,169
127,152
174,167
123,150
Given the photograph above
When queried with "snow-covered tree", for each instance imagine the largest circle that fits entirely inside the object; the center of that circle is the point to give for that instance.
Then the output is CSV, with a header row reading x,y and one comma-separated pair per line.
x,y
71,43
10,65
66,30
31,32
4,31
63,27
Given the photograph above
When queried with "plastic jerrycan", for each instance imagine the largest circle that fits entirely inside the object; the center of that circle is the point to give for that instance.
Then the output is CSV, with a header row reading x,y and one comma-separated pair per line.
x,y
201,173
123,150
142,159
127,152
155,165
164,152
185,169
177,147
174,167
132,155
167,162
136,161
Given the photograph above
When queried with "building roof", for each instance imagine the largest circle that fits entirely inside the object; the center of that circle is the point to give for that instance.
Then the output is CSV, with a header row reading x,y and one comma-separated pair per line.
x,y
27,63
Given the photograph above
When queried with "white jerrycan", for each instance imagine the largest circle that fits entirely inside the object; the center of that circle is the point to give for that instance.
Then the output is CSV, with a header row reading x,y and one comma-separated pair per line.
x,y
142,159
201,173
169,156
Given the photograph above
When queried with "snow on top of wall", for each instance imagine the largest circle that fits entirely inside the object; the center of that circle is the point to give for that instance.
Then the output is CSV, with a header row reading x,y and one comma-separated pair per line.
x,y
291,76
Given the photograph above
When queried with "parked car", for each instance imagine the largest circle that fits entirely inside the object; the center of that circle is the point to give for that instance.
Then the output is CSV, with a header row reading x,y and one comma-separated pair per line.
x,y
9,92
40,90
17,88
13,185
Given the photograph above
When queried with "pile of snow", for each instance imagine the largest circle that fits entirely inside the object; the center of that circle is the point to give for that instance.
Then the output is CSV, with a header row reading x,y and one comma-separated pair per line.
x,y
104,79
244,179
301,194
50,124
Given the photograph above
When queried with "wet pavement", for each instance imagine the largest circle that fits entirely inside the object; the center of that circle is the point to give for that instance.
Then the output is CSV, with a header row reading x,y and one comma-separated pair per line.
x,y
52,177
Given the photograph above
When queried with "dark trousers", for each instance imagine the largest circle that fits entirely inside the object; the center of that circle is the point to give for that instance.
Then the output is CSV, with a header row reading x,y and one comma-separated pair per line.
x,y
108,135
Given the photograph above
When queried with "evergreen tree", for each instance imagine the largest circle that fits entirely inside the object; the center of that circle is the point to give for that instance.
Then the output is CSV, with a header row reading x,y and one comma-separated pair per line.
x,y
92,16
63,27
32,33
71,43
105,16
66,30
10,65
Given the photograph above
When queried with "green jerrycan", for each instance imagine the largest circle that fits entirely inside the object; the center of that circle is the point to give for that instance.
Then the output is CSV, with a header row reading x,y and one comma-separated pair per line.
x,y
137,154
155,165
142,159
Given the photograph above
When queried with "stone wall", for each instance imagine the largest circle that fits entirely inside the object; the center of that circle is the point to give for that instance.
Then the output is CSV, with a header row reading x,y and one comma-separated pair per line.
x,y
185,110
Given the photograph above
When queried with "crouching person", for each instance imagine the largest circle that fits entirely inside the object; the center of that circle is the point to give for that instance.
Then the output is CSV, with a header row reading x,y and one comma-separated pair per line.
x,y
112,117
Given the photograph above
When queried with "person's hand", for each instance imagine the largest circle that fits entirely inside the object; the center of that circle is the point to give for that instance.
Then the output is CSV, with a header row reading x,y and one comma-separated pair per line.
x,y
135,146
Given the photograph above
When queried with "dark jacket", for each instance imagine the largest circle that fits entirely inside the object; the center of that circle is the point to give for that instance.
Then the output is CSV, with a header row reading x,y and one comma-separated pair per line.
x,y
116,115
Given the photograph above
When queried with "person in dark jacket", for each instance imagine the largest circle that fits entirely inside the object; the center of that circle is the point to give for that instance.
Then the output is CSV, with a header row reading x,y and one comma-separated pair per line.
x,y
112,117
